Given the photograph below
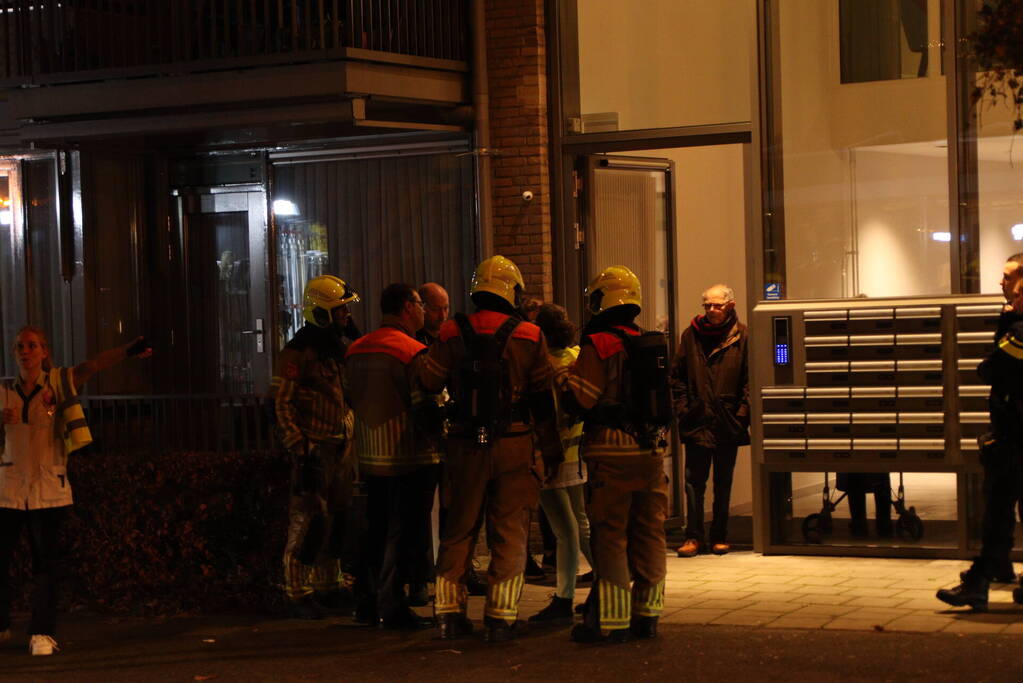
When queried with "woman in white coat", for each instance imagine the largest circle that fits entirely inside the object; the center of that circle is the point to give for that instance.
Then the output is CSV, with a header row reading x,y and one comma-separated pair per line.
x,y
42,422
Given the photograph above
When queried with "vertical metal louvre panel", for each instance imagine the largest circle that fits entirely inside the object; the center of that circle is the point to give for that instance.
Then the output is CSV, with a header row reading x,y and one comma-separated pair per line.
x,y
625,211
391,219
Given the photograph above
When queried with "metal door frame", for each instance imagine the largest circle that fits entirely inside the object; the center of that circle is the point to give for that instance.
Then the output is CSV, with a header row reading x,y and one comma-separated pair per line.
x,y
251,198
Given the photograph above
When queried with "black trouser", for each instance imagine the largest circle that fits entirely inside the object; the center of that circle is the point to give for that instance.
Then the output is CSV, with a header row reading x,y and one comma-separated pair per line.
x,y
1003,486
698,463
396,508
43,528
882,508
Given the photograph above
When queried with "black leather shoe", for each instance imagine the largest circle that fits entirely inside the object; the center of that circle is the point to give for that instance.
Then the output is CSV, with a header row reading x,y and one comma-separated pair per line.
x,y
500,631
559,611
643,627
474,584
451,626
406,620
581,633
305,608
972,591
1017,595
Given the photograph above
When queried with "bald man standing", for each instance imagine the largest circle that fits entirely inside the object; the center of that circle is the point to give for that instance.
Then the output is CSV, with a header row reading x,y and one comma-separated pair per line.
x,y
438,308
711,376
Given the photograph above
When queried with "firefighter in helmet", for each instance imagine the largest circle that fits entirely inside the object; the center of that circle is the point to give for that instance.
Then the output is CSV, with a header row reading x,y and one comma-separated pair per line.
x,y
496,368
623,449
314,425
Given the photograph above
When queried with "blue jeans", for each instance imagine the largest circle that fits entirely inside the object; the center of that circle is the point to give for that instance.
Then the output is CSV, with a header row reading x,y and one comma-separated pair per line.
x,y
566,512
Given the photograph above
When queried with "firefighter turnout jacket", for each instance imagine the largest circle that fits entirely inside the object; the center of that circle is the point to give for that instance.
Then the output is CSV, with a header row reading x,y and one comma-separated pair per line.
x,y
393,415
307,390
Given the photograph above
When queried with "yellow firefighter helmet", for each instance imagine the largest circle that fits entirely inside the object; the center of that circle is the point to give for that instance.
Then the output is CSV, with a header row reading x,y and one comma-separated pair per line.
x,y
615,286
499,276
322,295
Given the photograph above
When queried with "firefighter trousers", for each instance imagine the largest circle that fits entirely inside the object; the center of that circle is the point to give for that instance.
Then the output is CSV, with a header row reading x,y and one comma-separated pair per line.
x,y
500,483
317,520
628,503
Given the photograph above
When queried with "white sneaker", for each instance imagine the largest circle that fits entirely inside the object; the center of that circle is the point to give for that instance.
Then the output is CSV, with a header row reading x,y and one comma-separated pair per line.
x,y
42,645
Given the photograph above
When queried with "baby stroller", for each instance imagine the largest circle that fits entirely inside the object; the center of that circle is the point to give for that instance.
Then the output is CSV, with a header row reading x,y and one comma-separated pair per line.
x,y
908,525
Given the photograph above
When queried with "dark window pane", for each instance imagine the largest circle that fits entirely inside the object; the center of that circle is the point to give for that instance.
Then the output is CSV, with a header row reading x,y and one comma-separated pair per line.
x,y
883,40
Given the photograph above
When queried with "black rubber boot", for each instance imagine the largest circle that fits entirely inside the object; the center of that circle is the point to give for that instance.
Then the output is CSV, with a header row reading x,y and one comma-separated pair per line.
x,y
559,611
451,626
583,633
499,630
405,620
643,627
305,608
335,600
972,591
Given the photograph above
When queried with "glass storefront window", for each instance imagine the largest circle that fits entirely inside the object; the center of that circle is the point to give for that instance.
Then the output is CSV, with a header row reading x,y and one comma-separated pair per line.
x,y
669,63
915,509
863,166
301,256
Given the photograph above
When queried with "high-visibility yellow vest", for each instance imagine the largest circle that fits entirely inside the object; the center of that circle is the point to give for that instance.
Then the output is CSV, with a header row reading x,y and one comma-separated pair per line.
x,y
70,425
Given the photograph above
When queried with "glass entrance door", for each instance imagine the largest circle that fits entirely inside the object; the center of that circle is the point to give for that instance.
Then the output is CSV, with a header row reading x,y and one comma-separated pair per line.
x,y
627,211
627,206
223,236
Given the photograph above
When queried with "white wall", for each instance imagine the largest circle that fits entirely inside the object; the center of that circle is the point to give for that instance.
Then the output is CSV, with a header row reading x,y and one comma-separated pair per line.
x,y
665,63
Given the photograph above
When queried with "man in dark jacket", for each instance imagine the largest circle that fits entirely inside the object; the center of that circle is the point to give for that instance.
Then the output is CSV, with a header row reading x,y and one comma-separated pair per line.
x,y
711,379
1002,454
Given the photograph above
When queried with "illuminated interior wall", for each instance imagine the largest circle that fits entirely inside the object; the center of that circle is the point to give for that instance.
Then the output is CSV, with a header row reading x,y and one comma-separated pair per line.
x,y
666,63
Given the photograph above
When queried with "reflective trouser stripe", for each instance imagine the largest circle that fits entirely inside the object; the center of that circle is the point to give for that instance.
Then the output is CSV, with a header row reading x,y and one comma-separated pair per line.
x,y
326,576
449,598
503,598
295,584
648,601
301,580
615,606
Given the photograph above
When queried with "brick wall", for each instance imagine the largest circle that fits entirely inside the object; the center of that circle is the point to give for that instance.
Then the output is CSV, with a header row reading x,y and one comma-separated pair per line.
x,y
517,63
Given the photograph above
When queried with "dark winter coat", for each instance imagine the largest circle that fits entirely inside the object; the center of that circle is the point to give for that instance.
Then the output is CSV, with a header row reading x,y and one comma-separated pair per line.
x,y
712,390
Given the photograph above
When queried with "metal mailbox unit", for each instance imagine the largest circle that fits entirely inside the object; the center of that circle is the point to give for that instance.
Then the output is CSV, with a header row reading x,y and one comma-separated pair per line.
x,y
867,385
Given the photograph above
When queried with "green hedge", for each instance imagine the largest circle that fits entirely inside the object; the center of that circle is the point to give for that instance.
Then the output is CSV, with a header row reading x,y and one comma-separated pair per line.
x,y
165,534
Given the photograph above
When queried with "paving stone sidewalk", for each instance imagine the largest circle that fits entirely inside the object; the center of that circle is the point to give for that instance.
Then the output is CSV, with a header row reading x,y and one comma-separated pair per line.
x,y
831,593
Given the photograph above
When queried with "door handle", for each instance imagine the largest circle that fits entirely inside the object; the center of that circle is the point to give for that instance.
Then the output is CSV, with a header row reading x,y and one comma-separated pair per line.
x,y
259,334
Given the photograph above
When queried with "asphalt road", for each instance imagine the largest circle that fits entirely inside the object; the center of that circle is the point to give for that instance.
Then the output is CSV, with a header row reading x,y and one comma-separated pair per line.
x,y
255,648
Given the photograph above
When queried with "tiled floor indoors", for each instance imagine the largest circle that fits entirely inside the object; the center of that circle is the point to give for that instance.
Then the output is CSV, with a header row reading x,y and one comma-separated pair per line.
x,y
746,589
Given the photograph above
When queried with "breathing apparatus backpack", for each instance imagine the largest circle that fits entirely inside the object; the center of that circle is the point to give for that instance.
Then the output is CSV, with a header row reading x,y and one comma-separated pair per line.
x,y
482,406
646,410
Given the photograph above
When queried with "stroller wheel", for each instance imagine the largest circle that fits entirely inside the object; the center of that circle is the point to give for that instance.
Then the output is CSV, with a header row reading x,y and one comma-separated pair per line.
x,y
816,526
909,527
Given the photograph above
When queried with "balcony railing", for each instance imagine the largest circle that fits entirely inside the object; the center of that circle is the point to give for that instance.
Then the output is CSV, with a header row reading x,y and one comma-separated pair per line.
x,y
54,40
182,424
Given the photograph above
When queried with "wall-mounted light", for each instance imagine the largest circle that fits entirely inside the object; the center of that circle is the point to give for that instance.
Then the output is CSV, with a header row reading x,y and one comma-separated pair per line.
x,y
941,236
1017,232
285,207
